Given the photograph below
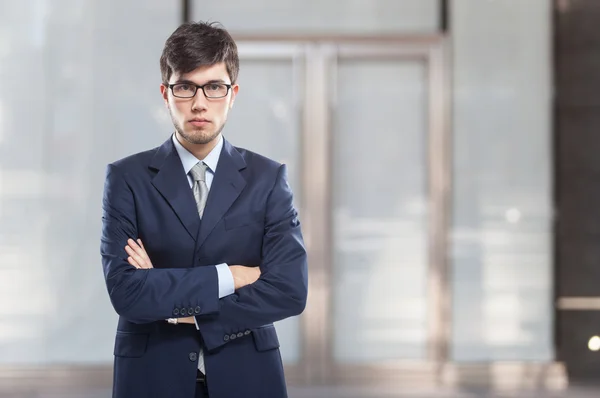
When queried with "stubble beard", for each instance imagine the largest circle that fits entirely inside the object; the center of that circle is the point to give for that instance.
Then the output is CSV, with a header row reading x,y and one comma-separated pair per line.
x,y
197,136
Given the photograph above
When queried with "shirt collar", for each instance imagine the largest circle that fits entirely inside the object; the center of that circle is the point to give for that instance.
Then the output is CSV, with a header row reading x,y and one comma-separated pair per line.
x,y
188,160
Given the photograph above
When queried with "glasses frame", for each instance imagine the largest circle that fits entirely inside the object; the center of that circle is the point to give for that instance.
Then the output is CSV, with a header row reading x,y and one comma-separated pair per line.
x,y
170,86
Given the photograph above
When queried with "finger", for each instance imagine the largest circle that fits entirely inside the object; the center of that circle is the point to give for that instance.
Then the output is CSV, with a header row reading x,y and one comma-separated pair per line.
x,y
133,262
132,243
139,249
144,253
136,249
138,259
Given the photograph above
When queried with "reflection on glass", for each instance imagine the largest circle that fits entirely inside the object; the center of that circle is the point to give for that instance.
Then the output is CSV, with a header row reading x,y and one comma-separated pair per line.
x,y
379,220
501,257
87,100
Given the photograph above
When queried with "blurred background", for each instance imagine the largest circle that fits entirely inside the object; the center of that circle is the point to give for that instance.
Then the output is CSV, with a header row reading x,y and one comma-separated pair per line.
x,y
444,158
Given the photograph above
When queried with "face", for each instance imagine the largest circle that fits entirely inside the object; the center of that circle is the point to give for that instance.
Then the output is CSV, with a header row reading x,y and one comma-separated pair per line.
x,y
199,120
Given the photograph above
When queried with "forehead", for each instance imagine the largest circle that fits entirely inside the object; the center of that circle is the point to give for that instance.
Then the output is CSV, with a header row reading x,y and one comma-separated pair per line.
x,y
204,74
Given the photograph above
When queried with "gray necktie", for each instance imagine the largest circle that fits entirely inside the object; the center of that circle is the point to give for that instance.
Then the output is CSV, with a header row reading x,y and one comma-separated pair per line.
x,y
200,190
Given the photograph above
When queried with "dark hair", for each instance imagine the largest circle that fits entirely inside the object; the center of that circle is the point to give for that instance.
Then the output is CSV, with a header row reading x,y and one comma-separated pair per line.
x,y
196,44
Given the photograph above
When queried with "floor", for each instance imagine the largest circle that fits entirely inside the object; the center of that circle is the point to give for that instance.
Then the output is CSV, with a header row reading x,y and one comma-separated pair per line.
x,y
339,392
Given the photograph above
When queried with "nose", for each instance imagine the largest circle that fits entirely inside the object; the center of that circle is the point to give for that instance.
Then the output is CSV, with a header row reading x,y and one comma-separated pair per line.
x,y
199,101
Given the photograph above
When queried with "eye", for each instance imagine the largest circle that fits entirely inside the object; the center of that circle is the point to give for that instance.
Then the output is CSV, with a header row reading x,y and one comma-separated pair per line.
x,y
214,87
215,90
183,87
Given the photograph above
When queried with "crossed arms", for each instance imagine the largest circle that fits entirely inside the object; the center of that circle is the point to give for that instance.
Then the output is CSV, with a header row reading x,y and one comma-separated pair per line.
x,y
138,257
148,295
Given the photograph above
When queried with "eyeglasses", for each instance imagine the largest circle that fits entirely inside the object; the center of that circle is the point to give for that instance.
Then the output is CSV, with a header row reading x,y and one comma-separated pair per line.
x,y
210,90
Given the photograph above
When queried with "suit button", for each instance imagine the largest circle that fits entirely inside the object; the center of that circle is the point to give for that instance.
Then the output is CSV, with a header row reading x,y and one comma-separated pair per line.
x,y
190,311
247,332
198,309
176,311
226,337
193,356
233,336
240,334
182,311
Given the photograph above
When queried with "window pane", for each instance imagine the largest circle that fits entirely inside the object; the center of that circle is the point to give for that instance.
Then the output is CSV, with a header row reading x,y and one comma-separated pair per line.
x,y
380,221
96,100
501,250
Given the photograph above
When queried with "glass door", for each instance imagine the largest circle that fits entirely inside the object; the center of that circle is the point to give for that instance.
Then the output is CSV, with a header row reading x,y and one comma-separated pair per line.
x,y
363,127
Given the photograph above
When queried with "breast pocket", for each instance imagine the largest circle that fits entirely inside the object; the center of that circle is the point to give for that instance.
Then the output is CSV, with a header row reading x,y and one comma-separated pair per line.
x,y
242,220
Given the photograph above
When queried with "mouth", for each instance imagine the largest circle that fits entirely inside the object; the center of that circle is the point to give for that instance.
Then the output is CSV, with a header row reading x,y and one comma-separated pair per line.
x,y
199,122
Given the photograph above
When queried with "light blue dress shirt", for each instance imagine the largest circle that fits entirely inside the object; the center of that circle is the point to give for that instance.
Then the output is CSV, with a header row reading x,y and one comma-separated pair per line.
x,y
188,160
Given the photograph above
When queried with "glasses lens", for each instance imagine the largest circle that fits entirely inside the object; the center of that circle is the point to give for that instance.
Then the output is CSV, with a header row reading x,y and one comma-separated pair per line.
x,y
215,90
184,90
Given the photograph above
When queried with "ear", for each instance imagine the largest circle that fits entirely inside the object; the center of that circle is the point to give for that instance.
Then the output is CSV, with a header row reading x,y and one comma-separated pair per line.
x,y
234,91
164,91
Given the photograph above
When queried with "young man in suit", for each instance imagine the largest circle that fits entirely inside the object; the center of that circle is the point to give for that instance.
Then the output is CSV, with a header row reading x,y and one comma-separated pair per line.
x,y
201,245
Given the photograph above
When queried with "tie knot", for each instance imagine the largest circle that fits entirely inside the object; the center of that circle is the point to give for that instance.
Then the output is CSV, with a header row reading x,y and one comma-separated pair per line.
x,y
198,172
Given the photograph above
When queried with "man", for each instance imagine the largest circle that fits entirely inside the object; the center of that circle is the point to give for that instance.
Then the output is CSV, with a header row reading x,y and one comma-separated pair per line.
x,y
201,245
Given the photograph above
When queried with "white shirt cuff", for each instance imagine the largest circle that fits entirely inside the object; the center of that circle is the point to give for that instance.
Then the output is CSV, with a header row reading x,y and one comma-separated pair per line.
x,y
226,283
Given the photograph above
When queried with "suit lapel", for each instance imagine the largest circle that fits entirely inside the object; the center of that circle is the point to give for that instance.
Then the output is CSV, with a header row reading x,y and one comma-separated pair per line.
x,y
173,185
227,185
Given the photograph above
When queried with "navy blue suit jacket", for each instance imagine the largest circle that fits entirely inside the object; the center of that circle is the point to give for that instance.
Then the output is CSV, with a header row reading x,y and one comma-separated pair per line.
x,y
249,219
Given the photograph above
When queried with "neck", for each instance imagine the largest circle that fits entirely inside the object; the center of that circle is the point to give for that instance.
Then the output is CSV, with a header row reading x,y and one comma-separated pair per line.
x,y
200,151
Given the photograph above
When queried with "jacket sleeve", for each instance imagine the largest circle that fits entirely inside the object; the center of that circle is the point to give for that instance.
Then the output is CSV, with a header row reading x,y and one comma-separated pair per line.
x,y
146,295
281,290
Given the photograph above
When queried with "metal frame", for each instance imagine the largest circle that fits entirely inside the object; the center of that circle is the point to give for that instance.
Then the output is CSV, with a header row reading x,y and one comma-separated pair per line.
x,y
584,303
431,53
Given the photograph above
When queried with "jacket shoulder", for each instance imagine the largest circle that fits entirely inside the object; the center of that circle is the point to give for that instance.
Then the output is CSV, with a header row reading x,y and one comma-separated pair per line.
x,y
256,160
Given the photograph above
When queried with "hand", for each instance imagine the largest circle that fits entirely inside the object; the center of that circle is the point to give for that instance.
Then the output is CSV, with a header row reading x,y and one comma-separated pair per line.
x,y
244,276
137,254
138,257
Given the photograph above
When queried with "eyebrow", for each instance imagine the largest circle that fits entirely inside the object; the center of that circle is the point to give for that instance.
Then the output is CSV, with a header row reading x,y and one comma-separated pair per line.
x,y
208,82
